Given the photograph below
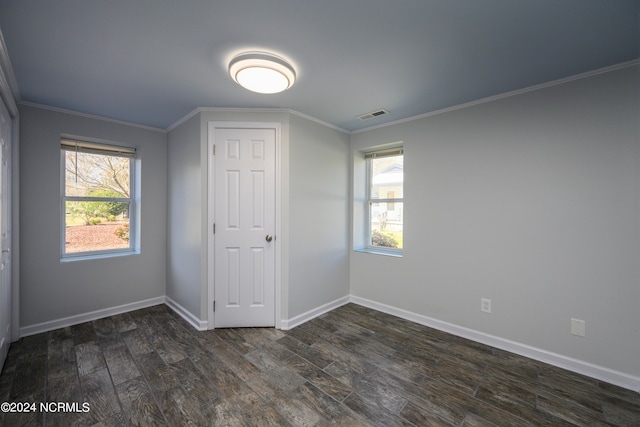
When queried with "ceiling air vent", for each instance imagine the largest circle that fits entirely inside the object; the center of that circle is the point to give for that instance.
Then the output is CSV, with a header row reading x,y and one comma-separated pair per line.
x,y
373,114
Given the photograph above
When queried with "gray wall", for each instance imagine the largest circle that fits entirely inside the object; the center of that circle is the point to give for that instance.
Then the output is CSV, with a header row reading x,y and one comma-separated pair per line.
x,y
51,290
314,211
185,240
319,215
532,201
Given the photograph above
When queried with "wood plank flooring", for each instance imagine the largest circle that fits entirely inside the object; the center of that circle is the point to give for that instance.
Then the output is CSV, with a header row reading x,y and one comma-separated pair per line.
x,y
350,367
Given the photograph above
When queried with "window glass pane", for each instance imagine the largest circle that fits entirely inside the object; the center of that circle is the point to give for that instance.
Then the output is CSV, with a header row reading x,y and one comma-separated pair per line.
x,y
386,218
386,224
96,226
387,177
96,175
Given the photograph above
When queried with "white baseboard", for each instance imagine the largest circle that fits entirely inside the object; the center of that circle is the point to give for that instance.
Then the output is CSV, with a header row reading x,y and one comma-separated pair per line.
x,y
87,317
311,314
200,325
601,373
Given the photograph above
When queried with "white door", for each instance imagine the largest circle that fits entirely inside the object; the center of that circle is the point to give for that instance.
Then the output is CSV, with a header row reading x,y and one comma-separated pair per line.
x,y
5,234
244,215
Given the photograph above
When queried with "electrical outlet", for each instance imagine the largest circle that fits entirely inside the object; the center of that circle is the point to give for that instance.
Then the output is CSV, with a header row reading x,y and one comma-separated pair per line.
x,y
578,327
485,305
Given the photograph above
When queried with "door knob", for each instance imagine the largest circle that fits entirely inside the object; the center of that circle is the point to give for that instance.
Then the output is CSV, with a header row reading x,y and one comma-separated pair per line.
x,y
269,238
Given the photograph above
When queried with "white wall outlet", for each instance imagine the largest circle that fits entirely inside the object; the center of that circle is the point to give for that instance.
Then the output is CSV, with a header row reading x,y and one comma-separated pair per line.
x,y
485,305
578,327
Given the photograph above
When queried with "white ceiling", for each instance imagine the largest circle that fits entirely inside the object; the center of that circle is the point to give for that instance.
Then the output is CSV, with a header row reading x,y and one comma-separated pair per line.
x,y
152,62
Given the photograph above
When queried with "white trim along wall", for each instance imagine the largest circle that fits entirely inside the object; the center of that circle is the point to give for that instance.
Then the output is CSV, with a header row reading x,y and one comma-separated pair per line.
x,y
620,379
530,201
430,288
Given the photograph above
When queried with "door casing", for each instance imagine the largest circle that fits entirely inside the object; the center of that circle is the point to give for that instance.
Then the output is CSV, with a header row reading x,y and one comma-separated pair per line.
x,y
7,302
211,192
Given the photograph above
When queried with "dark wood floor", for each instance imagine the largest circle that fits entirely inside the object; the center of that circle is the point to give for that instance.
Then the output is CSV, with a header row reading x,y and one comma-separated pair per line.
x,y
352,366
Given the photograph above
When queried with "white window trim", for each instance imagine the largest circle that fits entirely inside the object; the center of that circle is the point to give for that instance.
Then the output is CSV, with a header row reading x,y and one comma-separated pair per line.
x,y
369,247
98,147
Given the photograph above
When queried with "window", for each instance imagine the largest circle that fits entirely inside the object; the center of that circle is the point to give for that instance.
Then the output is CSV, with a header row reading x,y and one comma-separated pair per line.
x,y
385,199
98,204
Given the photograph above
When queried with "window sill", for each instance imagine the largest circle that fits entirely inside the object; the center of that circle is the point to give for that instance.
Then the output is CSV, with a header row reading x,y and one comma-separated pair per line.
x,y
97,256
379,252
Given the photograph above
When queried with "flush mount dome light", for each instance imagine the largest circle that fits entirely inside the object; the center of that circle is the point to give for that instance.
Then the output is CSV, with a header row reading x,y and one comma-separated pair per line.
x,y
262,72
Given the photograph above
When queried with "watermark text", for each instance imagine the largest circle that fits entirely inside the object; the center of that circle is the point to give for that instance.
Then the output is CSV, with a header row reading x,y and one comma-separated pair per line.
x,y
48,407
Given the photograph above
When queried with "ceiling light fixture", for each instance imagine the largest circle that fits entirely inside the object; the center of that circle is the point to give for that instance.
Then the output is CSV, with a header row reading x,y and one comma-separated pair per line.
x,y
262,72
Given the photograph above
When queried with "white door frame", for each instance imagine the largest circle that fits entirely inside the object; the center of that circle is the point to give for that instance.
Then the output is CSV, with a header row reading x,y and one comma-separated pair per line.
x,y
9,94
212,126
6,330
15,237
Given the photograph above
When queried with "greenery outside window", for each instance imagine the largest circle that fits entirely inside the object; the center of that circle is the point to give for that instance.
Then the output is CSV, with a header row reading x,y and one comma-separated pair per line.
x,y
98,204
385,177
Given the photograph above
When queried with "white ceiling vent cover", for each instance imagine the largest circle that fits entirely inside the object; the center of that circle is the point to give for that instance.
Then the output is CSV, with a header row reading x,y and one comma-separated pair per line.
x,y
373,114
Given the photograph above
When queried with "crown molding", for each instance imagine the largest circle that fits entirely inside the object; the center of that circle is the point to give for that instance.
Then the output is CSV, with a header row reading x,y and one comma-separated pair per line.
x,y
8,90
182,120
254,110
199,110
505,95
89,116
321,122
